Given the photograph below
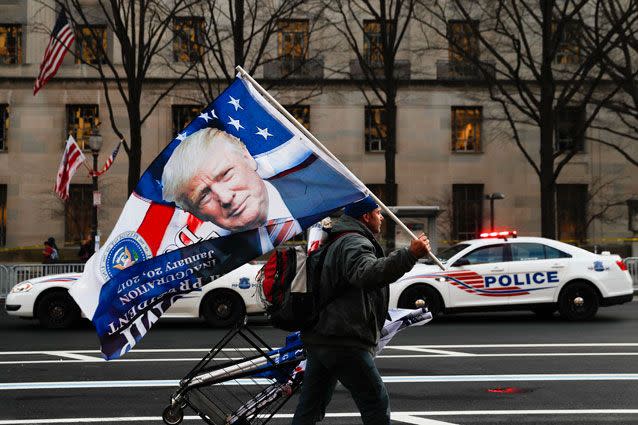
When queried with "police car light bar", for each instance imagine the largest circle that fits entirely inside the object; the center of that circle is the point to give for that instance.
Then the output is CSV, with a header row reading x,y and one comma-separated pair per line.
x,y
503,234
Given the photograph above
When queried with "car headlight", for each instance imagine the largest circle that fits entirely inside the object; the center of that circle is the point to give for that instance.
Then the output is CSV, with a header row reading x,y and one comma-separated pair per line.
x,y
22,287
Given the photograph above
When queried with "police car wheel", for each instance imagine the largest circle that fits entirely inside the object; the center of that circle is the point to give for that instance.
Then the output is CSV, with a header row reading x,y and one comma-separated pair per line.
x,y
223,308
411,298
172,415
57,310
578,301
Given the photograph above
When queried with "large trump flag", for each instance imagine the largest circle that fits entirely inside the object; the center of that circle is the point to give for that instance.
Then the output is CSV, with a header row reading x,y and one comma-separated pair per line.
x,y
239,180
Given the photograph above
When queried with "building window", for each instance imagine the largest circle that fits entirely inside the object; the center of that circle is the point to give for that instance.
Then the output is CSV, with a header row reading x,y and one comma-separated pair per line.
x,y
91,44
4,127
380,190
78,212
293,43
301,114
466,128
10,44
376,131
81,120
568,42
463,41
570,125
467,211
3,214
188,41
571,207
373,42
182,115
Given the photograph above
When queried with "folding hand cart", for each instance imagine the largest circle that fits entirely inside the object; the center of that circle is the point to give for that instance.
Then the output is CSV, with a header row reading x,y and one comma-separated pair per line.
x,y
240,381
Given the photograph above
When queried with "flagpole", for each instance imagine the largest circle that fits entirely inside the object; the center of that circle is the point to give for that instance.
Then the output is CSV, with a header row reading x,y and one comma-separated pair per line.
x,y
325,150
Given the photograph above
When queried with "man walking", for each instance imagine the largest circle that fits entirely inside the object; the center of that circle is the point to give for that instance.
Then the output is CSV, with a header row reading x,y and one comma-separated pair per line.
x,y
355,276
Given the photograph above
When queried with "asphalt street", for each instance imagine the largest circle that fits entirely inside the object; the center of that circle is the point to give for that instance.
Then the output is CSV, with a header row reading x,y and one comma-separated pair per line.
x,y
486,368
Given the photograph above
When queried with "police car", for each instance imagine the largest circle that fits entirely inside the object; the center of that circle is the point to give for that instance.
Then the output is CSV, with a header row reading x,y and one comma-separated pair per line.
x,y
501,271
222,304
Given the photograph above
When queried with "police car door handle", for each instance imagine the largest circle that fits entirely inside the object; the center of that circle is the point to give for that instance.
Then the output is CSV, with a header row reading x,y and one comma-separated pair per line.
x,y
497,270
558,266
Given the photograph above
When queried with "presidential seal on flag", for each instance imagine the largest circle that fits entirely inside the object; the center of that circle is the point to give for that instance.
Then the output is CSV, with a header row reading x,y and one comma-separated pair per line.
x,y
122,252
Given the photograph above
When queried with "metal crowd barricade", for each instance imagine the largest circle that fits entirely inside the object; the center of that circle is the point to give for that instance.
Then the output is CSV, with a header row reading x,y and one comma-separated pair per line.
x,y
10,274
632,266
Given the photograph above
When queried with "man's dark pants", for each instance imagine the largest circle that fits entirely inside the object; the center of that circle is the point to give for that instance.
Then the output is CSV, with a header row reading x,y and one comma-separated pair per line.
x,y
356,371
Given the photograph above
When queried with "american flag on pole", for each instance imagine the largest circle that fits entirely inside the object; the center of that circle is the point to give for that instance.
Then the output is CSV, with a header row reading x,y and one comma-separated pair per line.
x,y
62,37
108,162
71,160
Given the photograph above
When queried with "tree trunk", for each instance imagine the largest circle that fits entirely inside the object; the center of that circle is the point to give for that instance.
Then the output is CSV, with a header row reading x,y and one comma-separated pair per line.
x,y
135,154
238,33
390,166
546,177
548,186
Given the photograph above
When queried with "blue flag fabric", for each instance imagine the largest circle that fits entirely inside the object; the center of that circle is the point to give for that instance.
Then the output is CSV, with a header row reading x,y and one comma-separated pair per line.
x,y
239,180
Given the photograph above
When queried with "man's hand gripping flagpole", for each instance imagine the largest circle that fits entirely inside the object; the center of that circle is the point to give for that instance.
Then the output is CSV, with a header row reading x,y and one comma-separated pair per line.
x,y
317,143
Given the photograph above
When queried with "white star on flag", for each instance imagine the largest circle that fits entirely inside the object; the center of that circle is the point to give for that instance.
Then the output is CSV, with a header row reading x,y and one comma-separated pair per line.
x,y
205,116
235,123
212,114
180,136
235,103
263,132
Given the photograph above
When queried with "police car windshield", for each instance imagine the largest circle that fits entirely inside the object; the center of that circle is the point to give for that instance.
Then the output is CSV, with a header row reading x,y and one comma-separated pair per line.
x,y
448,253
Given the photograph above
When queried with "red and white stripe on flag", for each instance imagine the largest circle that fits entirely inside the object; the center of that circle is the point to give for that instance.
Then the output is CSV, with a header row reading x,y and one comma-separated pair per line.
x,y
71,160
62,37
108,162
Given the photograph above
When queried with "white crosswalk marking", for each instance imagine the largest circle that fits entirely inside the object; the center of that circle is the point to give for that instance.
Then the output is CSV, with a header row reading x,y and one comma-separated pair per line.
x,y
415,420
404,417
73,356
433,351
407,379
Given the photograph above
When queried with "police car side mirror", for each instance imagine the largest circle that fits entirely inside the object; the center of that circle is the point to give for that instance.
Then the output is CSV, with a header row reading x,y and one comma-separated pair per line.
x,y
461,262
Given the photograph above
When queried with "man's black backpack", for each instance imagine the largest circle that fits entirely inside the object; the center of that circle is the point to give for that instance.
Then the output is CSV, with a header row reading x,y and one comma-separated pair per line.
x,y
290,282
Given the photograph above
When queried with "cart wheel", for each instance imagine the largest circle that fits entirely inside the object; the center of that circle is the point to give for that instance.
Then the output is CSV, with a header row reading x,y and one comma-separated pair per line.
x,y
173,415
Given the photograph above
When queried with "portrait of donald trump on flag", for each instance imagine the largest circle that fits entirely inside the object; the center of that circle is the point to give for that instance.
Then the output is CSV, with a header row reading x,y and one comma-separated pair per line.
x,y
237,181
212,175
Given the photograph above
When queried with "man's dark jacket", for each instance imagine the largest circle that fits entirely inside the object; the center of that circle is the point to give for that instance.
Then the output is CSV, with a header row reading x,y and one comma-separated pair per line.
x,y
358,274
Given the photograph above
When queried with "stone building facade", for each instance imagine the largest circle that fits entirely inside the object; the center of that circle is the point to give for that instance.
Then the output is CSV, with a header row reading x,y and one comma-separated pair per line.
x,y
449,152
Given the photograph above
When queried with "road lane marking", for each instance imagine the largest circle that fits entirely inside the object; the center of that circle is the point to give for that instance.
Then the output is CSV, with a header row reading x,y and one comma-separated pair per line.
x,y
399,347
140,350
509,378
72,356
573,412
89,359
399,356
579,344
387,379
415,420
433,351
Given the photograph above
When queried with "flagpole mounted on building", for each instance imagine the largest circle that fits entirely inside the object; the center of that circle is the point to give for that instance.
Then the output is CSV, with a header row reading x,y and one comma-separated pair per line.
x,y
62,37
325,150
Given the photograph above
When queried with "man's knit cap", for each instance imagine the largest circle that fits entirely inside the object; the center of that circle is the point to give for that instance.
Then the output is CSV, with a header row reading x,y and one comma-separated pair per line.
x,y
361,207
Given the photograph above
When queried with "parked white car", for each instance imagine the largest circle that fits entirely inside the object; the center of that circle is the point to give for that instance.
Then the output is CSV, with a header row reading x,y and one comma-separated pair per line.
x,y
500,271
221,304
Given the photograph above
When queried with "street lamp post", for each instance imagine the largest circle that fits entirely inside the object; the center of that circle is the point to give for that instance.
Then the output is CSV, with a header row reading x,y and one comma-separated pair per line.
x,y
492,197
632,206
95,143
